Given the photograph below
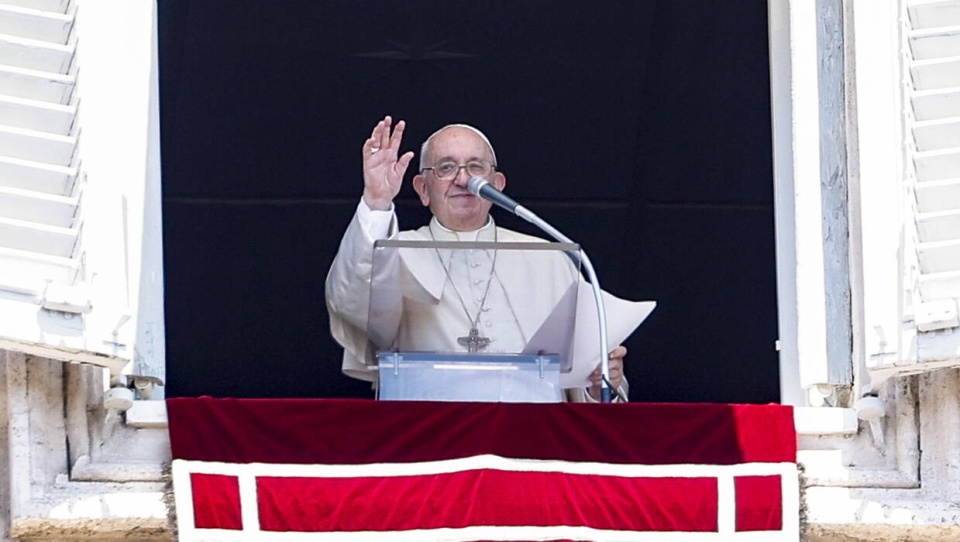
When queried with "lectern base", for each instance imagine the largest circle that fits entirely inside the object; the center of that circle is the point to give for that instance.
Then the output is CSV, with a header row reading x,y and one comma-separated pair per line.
x,y
507,378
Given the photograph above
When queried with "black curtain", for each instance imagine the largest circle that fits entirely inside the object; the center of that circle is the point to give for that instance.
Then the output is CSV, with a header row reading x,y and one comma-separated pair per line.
x,y
639,128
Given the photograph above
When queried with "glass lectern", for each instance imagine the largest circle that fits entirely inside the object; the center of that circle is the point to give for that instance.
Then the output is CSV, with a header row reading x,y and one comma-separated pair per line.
x,y
473,321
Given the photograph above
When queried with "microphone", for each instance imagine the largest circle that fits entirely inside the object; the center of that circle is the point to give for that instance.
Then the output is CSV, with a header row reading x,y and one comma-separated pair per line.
x,y
478,186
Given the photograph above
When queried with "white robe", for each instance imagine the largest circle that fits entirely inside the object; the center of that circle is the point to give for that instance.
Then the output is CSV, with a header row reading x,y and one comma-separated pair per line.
x,y
438,306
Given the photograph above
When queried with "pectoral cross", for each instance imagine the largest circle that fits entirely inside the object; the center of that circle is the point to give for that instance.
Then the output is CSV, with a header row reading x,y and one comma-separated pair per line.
x,y
474,341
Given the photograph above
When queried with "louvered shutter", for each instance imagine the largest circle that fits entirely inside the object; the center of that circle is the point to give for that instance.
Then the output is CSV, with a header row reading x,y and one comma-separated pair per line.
x,y
78,147
930,245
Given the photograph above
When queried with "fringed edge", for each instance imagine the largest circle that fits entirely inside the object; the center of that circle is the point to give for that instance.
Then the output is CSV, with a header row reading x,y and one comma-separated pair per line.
x,y
804,526
168,500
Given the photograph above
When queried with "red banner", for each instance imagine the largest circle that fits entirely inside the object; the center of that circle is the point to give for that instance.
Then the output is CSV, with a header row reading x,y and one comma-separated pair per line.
x,y
365,470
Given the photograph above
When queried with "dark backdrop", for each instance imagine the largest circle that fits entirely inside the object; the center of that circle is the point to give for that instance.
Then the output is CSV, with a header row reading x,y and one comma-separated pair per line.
x,y
639,128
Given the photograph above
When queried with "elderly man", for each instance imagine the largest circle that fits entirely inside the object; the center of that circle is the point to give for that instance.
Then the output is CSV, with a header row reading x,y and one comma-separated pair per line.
x,y
448,160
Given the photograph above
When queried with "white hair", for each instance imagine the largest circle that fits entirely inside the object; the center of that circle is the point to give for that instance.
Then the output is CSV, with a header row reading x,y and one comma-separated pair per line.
x,y
424,149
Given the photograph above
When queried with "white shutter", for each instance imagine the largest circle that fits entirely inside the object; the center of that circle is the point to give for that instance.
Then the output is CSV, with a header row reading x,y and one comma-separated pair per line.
x,y
39,192
929,193
935,104
79,178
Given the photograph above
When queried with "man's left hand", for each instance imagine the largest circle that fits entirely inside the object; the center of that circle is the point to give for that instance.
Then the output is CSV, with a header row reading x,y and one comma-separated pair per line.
x,y
616,372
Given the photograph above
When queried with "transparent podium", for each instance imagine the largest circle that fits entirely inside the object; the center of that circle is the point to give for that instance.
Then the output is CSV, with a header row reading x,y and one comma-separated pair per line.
x,y
472,321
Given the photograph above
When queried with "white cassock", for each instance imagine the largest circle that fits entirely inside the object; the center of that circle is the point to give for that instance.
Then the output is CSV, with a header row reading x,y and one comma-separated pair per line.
x,y
505,295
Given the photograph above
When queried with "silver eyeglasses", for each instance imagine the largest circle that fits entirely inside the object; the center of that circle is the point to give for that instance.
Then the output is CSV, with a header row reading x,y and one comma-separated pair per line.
x,y
446,171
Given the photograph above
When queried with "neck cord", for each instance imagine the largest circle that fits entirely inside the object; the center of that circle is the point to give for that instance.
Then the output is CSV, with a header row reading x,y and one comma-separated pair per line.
x,y
473,321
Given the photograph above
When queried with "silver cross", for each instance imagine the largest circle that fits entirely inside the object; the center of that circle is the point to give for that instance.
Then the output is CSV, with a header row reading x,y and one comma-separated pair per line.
x,y
474,341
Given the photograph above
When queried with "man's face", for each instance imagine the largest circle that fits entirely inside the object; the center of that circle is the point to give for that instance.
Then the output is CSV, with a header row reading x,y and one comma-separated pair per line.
x,y
450,201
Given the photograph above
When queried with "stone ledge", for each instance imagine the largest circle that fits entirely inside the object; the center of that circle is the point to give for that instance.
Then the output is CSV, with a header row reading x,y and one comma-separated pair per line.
x,y
91,530
878,515
147,415
825,421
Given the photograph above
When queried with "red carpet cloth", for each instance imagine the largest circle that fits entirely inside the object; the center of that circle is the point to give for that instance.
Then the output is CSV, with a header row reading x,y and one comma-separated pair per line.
x,y
359,470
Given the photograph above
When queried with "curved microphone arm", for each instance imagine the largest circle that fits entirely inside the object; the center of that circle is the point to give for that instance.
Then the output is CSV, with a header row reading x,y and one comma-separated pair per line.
x,y
482,188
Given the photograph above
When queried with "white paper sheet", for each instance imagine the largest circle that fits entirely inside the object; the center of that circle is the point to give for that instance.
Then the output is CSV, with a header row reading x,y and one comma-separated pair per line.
x,y
623,317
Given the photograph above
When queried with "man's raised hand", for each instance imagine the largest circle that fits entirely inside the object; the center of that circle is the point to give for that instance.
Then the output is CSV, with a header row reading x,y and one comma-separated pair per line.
x,y
382,170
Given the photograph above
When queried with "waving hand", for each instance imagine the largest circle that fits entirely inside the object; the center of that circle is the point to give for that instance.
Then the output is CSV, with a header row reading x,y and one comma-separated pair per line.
x,y
382,170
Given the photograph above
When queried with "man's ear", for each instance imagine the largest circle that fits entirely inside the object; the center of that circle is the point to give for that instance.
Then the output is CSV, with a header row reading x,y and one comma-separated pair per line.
x,y
420,185
499,181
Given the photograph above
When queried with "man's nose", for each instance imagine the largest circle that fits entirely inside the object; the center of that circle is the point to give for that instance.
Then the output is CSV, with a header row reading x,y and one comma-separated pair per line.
x,y
462,178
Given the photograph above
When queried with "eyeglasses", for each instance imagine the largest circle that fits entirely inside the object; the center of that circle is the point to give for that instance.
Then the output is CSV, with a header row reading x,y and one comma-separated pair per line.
x,y
446,171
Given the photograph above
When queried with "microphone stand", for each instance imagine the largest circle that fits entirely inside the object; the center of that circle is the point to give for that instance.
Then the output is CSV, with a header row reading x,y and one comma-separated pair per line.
x,y
532,218
480,187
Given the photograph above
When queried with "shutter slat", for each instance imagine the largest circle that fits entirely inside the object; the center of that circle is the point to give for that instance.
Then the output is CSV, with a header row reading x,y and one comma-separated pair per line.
x,y
37,207
27,175
936,74
935,43
35,24
37,146
19,269
37,115
37,55
939,285
56,6
938,195
939,226
937,134
36,85
937,165
927,14
939,256
39,238
936,104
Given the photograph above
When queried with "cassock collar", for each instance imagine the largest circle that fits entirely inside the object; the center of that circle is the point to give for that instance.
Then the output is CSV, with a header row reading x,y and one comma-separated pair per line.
x,y
442,233
428,270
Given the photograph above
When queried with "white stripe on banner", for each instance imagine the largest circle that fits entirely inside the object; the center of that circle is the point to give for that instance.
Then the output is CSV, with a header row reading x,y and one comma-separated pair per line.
x,y
478,462
470,534
249,511
726,504
248,472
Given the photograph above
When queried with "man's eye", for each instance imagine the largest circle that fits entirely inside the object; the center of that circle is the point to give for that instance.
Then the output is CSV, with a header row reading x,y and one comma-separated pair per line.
x,y
476,168
446,169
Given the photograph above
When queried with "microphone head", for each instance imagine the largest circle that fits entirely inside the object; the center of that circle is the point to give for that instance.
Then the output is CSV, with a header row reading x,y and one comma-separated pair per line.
x,y
475,184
